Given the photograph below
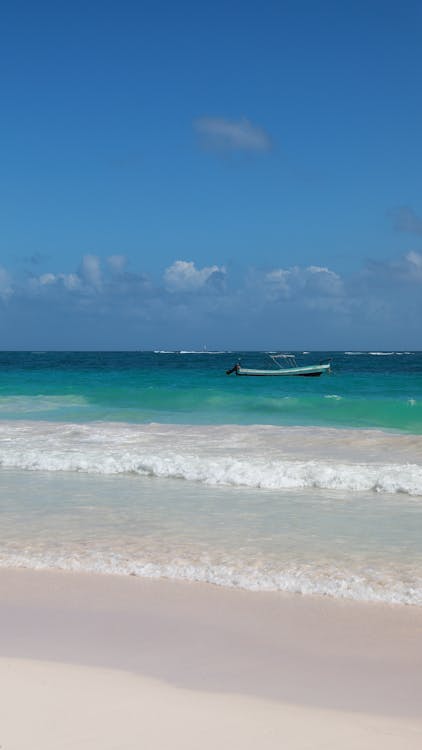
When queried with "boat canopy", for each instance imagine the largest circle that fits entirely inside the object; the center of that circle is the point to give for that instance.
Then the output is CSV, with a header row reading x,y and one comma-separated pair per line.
x,y
282,356
290,358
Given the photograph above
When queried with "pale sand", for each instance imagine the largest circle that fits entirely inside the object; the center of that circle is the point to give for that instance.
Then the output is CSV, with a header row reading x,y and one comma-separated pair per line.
x,y
50,706
109,662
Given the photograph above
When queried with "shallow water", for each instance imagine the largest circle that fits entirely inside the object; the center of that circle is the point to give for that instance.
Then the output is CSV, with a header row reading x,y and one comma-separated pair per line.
x,y
287,540
229,484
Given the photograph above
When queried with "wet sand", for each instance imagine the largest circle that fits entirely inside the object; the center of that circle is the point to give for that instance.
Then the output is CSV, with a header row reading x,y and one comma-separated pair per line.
x,y
108,661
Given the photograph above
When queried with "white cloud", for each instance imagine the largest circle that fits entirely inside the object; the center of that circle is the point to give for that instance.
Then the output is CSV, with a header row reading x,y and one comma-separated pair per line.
x,y
324,281
183,276
314,281
221,134
47,278
310,300
71,281
406,269
413,265
90,271
88,278
117,263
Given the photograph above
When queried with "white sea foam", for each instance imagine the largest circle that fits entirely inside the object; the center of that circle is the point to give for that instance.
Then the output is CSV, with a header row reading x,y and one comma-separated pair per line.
x,y
258,457
299,579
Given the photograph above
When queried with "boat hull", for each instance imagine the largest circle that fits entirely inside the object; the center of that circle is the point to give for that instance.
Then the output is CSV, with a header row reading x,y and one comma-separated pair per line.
x,y
313,371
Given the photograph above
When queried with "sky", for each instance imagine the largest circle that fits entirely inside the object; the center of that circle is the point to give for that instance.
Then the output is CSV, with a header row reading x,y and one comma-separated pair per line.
x,y
237,175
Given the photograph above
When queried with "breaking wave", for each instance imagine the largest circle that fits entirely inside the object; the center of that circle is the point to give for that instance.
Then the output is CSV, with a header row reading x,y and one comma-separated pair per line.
x,y
268,458
296,579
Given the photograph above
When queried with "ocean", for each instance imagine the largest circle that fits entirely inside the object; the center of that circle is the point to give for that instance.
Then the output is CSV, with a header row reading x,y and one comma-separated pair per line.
x,y
157,464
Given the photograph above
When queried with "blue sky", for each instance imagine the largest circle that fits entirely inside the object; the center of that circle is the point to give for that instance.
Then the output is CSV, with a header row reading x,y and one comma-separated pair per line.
x,y
235,174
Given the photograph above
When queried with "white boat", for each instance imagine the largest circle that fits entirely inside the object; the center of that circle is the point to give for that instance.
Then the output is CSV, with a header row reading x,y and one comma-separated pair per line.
x,y
290,368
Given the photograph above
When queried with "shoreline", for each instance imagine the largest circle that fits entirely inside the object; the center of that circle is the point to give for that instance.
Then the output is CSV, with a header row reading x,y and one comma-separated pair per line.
x,y
314,651
96,661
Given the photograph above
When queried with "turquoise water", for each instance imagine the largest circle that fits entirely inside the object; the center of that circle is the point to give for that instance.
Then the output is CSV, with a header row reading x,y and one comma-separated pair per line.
x,y
159,465
363,391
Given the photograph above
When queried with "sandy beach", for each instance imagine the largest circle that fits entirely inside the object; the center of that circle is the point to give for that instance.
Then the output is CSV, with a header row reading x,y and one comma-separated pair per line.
x,y
114,662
